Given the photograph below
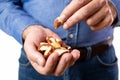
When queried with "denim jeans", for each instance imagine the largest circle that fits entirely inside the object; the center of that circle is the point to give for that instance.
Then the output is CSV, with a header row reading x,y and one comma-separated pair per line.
x,y
101,67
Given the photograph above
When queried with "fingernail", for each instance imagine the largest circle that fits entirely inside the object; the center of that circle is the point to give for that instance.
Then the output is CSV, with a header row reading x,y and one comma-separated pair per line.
x,y
65,26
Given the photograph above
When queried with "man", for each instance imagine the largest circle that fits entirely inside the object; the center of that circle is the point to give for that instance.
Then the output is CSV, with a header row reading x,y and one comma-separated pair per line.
x,y
87,27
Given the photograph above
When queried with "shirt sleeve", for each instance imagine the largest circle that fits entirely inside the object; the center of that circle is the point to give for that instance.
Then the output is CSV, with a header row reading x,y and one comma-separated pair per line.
x,y
13,19
116,4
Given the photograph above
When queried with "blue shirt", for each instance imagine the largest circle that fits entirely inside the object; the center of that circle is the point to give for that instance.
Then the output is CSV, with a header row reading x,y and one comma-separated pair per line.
x,y
16,15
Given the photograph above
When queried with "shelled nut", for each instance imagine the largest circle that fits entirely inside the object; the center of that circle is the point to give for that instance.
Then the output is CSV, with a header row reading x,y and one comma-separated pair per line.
x,y
58,22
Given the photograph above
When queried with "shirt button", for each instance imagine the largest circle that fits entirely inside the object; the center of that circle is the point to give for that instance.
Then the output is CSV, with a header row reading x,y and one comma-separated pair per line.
x,y
71,35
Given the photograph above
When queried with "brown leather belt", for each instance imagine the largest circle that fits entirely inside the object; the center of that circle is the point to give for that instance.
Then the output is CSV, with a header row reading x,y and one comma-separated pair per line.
x,y
97,49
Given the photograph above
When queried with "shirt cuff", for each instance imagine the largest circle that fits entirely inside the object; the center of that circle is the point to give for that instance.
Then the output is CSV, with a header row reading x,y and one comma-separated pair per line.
x,y
20,27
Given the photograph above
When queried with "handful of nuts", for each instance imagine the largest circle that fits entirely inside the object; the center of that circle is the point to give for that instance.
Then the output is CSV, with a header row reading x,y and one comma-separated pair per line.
x,y
52,45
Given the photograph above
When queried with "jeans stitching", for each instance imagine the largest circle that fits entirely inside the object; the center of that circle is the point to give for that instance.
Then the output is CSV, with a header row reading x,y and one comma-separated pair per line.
x,y
106,64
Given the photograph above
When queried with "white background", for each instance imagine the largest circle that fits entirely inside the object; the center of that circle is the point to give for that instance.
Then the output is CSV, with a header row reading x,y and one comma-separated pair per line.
x,y
10,52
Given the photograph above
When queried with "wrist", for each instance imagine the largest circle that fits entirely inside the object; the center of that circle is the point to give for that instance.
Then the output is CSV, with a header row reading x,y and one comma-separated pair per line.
x,y
30,29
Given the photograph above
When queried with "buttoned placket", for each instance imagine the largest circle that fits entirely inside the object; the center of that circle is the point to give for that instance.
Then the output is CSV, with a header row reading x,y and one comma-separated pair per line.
x,y
71,40
72,36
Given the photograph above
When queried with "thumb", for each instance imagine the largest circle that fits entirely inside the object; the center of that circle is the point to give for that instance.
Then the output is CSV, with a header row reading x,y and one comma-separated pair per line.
x,y
33,54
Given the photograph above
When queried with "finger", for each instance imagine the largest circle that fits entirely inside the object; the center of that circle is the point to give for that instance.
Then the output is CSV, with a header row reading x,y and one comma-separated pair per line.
x,y
112,9
49,66
83,13
51,63
33,54
76,54
108,20
72,8
98,17
63,64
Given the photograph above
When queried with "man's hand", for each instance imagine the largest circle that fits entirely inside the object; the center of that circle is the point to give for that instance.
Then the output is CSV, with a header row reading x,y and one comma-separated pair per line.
x,y
54,65
98,14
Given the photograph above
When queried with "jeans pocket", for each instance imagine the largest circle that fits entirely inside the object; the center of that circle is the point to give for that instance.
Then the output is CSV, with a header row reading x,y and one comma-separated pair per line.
x,y
23,61
108,58
107,63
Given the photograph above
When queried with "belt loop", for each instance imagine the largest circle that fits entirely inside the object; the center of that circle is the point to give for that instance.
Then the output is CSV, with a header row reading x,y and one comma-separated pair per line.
x,y
89,51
